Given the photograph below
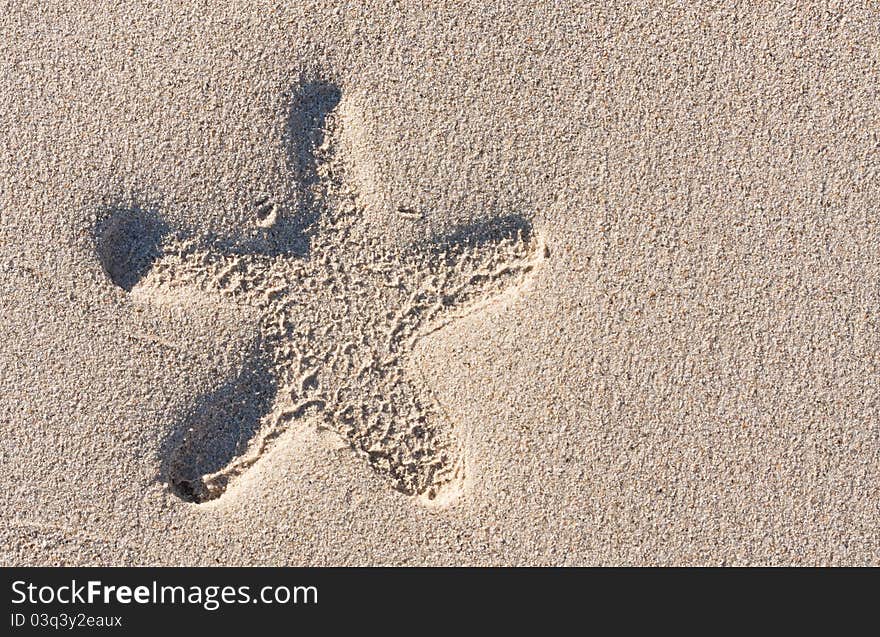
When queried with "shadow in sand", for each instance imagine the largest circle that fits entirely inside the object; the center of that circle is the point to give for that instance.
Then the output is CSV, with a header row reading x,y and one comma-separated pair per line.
x,y
450,244
217,428
310,104
128,241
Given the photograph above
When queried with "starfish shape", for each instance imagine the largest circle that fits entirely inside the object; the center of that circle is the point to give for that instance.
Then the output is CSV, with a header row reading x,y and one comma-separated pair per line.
x,y
337,330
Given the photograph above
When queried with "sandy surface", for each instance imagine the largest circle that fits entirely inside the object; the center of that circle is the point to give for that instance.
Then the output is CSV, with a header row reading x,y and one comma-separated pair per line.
x,y
491,285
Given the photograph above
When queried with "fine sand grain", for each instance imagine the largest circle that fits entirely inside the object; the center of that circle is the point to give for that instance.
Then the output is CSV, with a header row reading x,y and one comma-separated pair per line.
x,y
365,283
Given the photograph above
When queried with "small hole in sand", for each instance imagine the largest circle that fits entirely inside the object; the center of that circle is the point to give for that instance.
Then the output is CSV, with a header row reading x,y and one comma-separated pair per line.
x,y
128,242
186,491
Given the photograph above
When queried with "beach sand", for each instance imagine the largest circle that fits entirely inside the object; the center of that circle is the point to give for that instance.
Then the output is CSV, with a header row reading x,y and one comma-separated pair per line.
x,y
491,284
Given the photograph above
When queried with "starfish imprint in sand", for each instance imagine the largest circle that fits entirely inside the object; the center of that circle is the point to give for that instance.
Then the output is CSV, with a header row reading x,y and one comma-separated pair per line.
x,y
338,327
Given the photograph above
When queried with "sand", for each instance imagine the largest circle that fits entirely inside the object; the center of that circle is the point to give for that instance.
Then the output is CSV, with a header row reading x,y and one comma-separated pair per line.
x,y
496,284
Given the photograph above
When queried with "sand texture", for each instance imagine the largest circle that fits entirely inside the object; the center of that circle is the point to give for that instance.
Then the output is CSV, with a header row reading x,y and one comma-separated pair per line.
x,y
426,284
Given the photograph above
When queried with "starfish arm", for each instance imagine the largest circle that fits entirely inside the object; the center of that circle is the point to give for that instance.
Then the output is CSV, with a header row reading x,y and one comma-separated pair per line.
x,y
218,430
386,415
455,278
401,429
481,271
186,270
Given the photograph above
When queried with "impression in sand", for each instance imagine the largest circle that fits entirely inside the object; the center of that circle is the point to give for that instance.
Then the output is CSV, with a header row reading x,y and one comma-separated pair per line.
x,y
340,313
